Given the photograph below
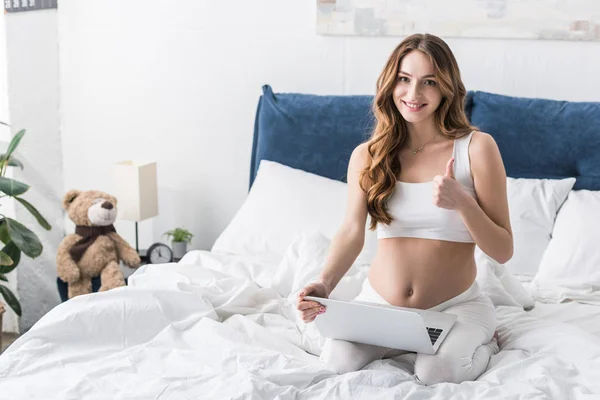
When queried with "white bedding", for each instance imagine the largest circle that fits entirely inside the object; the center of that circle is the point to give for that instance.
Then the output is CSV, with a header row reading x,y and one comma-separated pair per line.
x,y
585,316
220,326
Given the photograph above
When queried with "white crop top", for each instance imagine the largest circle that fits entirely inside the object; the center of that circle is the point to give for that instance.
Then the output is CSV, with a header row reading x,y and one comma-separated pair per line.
x,y
415,215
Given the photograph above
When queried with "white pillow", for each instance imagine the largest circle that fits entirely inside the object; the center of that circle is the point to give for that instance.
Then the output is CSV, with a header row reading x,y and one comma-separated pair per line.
x,y
533,204
283,204
570,267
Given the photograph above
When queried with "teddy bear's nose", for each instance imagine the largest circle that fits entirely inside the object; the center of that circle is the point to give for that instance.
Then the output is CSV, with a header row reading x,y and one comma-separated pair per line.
x,y
108,205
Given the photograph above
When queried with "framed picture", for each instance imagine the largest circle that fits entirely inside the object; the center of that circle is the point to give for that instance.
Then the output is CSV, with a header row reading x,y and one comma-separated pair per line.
x,y
516,19
28,5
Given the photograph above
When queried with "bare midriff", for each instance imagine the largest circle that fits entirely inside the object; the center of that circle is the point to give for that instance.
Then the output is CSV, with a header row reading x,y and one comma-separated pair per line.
x,y
421,273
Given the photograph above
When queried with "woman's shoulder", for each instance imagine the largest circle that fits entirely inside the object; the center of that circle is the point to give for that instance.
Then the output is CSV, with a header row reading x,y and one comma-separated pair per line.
x,y
361,150
360,154
482,142
483,149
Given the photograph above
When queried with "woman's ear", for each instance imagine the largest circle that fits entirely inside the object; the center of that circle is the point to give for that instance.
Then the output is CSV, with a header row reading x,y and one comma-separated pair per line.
x,y
69,197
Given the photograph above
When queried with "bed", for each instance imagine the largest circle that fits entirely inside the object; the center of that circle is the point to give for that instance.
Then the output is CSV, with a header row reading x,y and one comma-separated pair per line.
x,y
222,324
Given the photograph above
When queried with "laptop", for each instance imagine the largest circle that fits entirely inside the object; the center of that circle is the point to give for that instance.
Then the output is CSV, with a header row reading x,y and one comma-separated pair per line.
x,y
384,325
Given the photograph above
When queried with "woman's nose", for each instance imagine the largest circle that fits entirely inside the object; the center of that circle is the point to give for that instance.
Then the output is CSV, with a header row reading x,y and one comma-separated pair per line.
x,y
413,91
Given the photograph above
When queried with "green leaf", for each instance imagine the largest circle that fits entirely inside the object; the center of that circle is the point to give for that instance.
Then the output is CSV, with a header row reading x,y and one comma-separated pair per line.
x,y
35,213
13,162
14,143
3,278
5,259
25,239
11,300
4,238
14,253
12,187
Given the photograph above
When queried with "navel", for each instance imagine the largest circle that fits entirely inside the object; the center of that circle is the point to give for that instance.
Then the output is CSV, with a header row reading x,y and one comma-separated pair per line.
x,y
409,292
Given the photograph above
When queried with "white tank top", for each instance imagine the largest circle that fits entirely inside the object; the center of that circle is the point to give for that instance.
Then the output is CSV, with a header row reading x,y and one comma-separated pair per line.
x,y
415,215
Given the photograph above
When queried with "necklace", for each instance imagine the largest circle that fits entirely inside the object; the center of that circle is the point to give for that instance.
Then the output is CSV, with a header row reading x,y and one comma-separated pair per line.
x,y
421,148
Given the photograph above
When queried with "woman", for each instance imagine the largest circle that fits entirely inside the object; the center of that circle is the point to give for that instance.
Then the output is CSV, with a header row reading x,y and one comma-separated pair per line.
x,y
434,188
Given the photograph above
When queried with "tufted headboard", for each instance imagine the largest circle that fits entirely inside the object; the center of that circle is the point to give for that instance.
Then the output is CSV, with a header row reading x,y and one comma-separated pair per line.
x,y
538,138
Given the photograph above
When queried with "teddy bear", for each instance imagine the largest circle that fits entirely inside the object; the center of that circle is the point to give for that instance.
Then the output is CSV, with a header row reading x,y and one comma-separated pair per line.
x,y
95,248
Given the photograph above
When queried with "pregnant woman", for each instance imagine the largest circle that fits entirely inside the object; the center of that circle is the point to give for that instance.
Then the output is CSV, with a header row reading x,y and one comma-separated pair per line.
x,y
434,187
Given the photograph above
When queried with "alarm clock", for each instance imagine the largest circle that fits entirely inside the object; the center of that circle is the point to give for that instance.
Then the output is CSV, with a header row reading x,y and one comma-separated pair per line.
x,y
159,253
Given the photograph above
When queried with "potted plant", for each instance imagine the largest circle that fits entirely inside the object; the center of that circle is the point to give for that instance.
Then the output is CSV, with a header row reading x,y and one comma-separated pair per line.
x,y
180,238
15,237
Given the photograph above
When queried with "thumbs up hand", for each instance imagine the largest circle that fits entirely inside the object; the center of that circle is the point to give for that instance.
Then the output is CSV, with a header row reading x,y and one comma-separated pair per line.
x,y
447,191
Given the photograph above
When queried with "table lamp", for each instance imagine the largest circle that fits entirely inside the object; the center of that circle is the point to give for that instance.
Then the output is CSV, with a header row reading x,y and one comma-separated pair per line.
x,y
136,192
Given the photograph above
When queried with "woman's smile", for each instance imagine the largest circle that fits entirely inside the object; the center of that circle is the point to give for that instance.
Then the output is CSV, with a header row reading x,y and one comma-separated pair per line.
x,y
414,107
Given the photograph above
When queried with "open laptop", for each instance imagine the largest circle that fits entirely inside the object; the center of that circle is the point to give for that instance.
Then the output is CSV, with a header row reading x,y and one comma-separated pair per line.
x,y
385,325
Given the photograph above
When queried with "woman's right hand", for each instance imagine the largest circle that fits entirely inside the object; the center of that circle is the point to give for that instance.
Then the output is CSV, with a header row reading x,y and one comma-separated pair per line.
x,y
310,309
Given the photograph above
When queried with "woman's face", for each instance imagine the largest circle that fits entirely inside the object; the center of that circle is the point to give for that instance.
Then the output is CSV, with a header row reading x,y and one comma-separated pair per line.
x,y
417,94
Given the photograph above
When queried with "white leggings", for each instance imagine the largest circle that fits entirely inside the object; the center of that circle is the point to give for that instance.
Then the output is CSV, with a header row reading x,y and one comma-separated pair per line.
x,y
462,356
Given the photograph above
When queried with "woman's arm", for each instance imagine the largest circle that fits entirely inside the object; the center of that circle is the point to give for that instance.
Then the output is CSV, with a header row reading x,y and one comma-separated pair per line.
x,y
345,245
488,219
349,239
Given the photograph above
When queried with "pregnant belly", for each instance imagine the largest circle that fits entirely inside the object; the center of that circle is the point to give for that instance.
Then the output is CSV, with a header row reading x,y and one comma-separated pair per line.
x,y
421,273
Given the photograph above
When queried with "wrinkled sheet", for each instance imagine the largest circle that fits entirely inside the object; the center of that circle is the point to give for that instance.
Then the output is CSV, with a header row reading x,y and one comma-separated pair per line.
x,y
217,326
585,316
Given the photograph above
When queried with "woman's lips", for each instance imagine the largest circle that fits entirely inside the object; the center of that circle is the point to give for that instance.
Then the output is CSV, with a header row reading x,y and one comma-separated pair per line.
x,y
414,109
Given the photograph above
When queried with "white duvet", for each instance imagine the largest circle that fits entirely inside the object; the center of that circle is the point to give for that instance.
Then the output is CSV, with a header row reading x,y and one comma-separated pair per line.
x,y
224,327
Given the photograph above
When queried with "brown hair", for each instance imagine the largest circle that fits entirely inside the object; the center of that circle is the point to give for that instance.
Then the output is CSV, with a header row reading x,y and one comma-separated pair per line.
x,y
378,179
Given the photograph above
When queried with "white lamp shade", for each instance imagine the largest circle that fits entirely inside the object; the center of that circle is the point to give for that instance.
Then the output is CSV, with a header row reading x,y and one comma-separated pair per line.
x,y
136,190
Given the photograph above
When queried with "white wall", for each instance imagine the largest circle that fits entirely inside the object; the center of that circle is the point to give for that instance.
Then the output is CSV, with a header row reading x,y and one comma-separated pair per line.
x,y
32,72
180,83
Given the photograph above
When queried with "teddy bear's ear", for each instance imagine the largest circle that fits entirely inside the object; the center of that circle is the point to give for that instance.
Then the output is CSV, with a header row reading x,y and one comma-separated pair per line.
x,y
69,197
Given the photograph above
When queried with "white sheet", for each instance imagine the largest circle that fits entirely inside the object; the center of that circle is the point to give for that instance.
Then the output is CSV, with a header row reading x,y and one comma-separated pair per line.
x,y
585,316
204,328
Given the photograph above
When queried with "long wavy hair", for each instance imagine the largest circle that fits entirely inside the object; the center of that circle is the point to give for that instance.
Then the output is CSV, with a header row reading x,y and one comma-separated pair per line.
x,y
379,177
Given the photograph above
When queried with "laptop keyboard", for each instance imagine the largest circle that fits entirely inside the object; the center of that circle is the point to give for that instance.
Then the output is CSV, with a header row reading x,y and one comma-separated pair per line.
x,y
434,334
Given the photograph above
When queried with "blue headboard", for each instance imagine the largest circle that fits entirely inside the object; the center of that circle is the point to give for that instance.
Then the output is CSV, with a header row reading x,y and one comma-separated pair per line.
x,y
538,138
314,133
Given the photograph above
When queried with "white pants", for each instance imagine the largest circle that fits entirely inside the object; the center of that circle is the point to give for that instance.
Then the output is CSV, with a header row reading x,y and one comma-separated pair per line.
x,y
462,356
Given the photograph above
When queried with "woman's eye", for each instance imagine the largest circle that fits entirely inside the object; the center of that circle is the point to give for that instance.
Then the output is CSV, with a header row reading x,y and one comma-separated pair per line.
x,y
430,82
403,79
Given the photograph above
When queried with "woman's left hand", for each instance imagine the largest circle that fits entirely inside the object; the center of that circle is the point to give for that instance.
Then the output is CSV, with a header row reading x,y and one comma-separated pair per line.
x,y
447,191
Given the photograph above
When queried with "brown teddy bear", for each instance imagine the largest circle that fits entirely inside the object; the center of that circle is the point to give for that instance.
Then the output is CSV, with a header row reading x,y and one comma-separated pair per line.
x,y
95,248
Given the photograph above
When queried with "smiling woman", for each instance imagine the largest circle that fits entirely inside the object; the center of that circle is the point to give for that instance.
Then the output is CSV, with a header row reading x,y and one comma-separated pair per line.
x,y
434,188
